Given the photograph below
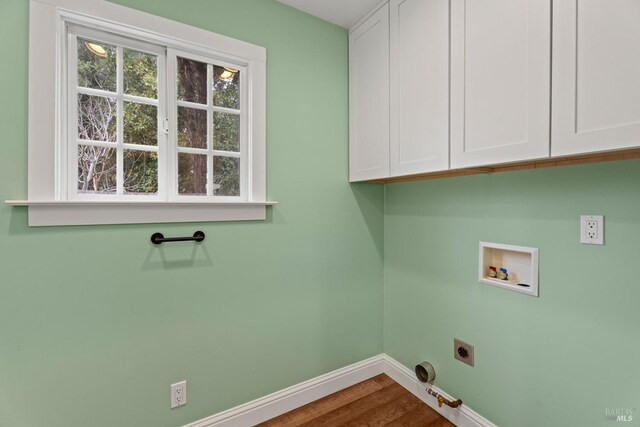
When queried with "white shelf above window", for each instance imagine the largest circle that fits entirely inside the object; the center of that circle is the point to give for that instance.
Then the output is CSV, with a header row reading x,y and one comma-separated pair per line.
x,y
520,262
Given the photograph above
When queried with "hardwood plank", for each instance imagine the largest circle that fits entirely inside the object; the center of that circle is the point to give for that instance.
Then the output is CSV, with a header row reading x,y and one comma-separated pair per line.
x,y
421,416
329,403
379,401
353,410
442,422
383,380
384,414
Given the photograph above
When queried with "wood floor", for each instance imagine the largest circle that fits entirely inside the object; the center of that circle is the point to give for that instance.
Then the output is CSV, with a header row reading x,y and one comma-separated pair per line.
x,y
379,401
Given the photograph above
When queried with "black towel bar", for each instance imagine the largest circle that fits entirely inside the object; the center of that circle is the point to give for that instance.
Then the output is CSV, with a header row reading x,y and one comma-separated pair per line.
x,y
158,238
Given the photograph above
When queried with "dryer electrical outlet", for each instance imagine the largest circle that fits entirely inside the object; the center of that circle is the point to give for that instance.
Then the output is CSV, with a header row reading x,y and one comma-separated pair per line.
x,y
463,352
592,229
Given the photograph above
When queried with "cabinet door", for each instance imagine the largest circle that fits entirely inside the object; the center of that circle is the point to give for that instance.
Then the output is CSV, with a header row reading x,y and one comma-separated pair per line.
x,y
369,98
596,75
500,74
419,37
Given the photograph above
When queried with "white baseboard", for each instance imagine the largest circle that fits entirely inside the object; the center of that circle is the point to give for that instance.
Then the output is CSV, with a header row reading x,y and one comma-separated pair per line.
x,y
293,397
461,417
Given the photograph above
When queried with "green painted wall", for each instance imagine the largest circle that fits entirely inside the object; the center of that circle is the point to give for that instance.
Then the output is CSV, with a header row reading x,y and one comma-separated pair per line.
x,y
557,360
94,321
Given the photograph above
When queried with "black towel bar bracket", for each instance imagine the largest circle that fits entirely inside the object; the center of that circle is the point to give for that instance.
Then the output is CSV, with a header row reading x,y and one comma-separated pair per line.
x,y
158,238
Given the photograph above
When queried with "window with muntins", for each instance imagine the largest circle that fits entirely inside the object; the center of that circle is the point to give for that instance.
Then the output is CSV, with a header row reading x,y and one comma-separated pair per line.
x,y
148,121
115,111
210,121
135,118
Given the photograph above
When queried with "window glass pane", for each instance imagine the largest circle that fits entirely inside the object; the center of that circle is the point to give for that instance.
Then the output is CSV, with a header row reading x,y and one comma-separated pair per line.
x,y
140,124
140,73
226,87
97,65
226,131
96,169
192,174
97,118
192,81
192,127
226,176
140,172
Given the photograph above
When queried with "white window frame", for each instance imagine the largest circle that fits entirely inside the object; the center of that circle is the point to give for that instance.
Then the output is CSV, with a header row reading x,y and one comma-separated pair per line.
x,y
48,203
172,55
66,172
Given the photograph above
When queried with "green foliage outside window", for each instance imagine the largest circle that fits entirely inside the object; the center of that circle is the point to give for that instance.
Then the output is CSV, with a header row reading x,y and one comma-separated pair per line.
x,y
97,121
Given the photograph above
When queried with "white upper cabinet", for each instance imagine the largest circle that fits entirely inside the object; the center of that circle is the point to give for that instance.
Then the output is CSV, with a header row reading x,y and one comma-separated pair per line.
x,y
369,98
596,75
454,84
419,116
500,81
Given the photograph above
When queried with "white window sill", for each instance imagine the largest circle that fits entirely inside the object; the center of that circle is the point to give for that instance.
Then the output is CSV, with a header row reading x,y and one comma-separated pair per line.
x,y
56,213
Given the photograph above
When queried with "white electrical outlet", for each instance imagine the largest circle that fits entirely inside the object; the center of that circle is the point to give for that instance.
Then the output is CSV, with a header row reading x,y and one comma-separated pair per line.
x,y
592,229
178,394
